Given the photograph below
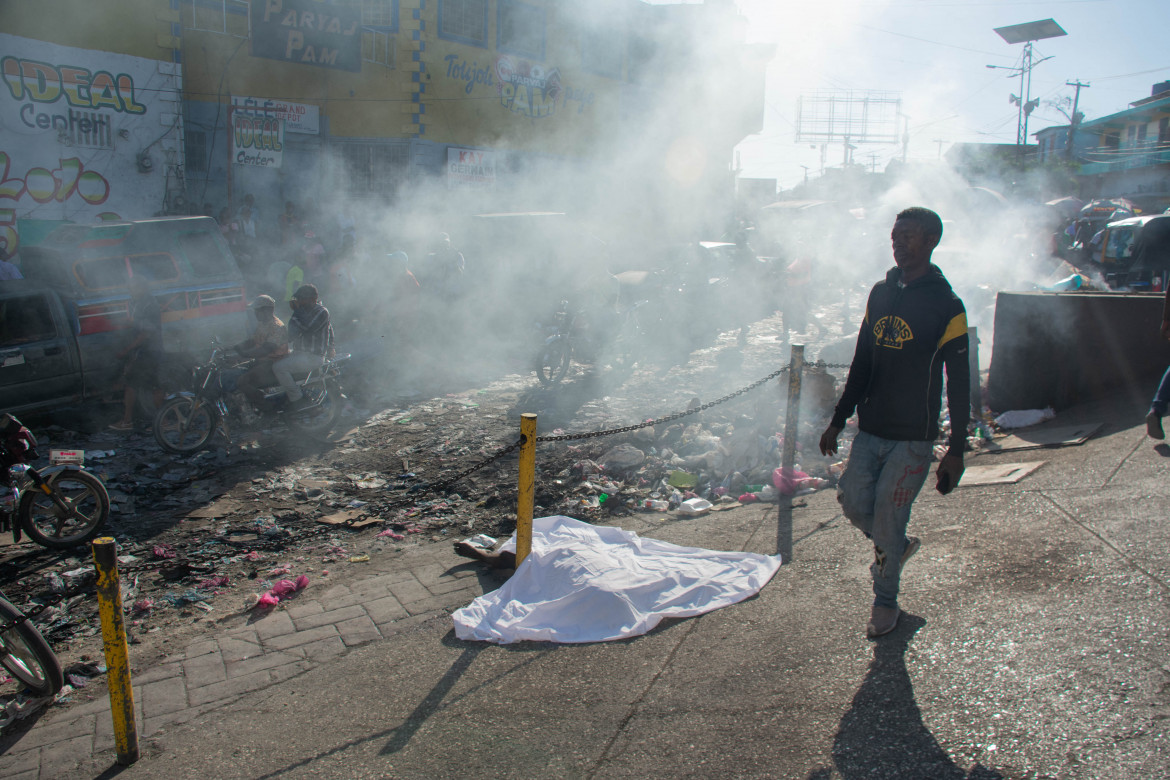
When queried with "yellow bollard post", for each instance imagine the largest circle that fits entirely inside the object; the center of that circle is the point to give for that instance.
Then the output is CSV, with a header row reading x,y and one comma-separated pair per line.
x,y
109,593
792,414
527,489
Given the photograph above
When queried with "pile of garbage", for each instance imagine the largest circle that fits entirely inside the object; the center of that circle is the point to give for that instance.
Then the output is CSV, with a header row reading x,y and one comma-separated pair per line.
x,y
685,467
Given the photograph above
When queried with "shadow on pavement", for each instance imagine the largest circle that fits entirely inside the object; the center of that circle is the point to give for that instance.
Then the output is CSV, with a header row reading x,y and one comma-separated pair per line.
x,y
882,734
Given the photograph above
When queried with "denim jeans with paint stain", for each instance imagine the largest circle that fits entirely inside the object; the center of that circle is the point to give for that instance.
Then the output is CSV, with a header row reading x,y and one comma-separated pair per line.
x,y
880,483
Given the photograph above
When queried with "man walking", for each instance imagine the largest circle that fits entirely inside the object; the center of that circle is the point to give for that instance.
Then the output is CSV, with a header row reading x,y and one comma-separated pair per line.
x,y
914,325
310,336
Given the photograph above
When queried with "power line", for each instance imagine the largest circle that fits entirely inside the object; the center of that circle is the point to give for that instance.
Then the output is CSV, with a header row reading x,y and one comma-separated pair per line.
x,y
927,40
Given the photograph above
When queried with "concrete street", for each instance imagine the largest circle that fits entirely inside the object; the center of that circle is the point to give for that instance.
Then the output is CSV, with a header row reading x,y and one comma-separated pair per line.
x,y
1035,643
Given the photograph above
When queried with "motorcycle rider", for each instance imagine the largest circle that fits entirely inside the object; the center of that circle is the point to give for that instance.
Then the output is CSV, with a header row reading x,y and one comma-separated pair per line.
x,y
310,337
267,344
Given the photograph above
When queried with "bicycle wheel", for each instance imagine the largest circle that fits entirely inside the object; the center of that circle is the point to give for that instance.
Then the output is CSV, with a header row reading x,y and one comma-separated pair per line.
x,y
87,507
553,363
183,425
317,420
27,656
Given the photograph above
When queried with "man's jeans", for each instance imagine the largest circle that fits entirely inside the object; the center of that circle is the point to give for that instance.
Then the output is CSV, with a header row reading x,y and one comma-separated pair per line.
x,y
879,485
1162,398
299,363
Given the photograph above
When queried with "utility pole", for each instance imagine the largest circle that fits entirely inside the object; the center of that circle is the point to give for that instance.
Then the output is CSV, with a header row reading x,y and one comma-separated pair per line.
x,y
805,173
940,142
905,137
1074,120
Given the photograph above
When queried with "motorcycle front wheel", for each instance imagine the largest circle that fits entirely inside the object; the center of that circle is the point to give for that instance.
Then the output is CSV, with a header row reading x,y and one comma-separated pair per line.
x,y
26,654
86,509
553,362
318,419
183,425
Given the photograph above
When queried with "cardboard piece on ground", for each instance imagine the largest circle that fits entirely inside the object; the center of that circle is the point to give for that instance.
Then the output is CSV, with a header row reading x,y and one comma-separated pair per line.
x,y
350,518
1001,474
1048,436
221,508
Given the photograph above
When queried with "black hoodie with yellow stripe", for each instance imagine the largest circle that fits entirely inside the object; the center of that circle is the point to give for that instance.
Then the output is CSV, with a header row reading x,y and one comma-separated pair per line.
x,y
895,382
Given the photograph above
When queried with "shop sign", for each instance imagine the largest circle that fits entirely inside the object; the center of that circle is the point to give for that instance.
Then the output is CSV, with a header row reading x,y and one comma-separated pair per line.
x,y
470,168
297,117
308,32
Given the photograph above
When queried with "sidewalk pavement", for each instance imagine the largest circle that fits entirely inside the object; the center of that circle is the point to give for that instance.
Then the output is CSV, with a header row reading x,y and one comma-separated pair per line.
x,y
1035,643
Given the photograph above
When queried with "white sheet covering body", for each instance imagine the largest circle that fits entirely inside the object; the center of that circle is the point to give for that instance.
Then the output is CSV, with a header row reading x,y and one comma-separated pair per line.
x,y
586,583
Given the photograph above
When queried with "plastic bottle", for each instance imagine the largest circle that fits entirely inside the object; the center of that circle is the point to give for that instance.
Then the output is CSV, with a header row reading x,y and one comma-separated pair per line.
x,y
656,504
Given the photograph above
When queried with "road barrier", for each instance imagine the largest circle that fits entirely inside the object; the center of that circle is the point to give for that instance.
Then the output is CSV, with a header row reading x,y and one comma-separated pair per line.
x,y
109,593
527,478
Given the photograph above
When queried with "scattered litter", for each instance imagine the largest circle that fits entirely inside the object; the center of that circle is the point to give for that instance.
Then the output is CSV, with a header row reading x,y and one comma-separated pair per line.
x,y
695,506
1022,418
280,591
163,551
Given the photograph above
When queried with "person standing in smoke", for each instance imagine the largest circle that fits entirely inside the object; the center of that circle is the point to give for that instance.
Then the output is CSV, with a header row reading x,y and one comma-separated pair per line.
x,y
914,326
144,353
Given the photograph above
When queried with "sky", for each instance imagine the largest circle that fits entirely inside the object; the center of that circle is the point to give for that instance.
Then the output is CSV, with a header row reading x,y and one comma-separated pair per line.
x,y
936,53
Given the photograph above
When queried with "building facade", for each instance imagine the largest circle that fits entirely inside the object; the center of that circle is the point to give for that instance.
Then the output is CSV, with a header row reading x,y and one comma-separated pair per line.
x,y
179,106
1126,154
1131,154
486,100
90,114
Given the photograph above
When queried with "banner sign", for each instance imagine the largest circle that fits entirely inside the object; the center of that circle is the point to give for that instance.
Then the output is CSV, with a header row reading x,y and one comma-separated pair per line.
x,y
297,117
257,140
308,32
470,168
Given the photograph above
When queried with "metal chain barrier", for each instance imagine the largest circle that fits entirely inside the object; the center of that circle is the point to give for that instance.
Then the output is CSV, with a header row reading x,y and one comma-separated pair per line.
x,y
661,420
199,559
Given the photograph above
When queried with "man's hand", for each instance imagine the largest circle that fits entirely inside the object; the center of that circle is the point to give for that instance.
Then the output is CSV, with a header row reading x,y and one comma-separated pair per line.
x,y
950,471
829,440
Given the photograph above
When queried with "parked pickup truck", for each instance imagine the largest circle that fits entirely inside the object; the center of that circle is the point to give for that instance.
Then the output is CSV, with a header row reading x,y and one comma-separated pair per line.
x,y
62,326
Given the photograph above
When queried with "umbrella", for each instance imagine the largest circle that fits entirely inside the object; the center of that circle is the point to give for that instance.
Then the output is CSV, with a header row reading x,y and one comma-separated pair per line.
x,y
1099,209
1067,206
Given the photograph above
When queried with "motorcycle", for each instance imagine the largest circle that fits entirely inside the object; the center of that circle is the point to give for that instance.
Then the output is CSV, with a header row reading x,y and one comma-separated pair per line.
x,y
25,653
59,507
186,421
614,336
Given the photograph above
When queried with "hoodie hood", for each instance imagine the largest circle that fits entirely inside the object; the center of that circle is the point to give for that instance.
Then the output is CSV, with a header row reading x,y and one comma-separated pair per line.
x,y
933,275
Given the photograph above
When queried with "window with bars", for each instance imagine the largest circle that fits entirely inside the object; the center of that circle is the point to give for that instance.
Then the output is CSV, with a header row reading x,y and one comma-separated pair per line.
x,y
379,23
195,151
520,29
227,17
371,169
382,14
465,21
377,47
